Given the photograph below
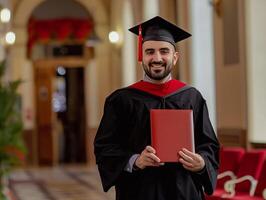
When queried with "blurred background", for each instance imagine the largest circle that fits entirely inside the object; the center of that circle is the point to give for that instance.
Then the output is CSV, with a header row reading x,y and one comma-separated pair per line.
x,y
70,54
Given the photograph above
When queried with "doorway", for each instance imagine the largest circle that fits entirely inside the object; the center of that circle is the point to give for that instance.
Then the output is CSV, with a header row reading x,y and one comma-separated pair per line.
x,y
69,109
60,112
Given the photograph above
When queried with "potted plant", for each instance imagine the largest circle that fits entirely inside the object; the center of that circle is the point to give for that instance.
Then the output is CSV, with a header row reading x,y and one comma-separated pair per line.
x,y
12,149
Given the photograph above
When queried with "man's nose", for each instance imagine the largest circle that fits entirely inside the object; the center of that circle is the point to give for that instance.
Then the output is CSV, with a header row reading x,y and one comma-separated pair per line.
x,y
157,56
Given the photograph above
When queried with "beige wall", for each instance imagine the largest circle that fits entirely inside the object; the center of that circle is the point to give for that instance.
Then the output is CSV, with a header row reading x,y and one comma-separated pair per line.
x,y
202,54
116,25
256,69
184,48
21,68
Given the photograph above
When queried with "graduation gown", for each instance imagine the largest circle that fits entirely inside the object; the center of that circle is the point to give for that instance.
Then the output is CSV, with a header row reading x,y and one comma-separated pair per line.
x,y
125,130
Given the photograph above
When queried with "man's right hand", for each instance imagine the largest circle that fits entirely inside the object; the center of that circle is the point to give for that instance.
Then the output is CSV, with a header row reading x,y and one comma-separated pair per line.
x,y
147,158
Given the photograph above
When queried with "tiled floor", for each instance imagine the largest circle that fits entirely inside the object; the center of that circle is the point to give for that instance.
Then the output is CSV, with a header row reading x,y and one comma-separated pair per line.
x,y
59,183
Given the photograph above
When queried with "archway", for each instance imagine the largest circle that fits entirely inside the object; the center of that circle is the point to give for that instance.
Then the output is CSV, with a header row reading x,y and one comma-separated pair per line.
x,y
26,70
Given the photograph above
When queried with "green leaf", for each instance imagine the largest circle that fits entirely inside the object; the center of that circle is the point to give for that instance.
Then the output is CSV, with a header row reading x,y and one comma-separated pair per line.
x,y
11,125
14,85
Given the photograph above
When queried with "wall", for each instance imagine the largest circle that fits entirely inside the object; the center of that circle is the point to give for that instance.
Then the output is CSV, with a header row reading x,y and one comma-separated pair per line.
x,y
129,58
203,69
256,69
150,9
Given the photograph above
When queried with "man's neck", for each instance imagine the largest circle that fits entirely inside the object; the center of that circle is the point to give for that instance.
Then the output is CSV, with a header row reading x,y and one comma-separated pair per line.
x,y
148,79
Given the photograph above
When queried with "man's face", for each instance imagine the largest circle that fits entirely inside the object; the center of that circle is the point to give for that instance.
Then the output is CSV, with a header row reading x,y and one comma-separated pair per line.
x,y
159,57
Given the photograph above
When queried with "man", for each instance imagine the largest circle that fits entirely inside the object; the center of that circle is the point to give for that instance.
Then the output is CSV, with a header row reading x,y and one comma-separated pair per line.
x,y
123,150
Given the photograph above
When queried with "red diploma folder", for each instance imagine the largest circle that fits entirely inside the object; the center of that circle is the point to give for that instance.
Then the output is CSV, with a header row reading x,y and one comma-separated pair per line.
x,y
171,130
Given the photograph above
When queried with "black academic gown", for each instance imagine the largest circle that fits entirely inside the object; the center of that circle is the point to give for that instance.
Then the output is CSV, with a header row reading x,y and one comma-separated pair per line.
x,y
125,130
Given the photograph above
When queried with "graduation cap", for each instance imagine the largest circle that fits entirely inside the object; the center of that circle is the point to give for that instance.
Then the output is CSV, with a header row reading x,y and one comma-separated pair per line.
x,y
158,29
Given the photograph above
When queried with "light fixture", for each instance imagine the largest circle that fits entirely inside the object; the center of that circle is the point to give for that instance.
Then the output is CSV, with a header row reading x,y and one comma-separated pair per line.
x,y
6,35
10,37
5,15
114,37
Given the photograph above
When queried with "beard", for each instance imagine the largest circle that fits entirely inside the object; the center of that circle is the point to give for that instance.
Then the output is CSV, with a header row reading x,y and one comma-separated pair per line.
x,y
161,71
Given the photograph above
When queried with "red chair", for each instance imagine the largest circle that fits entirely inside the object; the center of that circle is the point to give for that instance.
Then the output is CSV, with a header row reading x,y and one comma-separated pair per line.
x,y
251,165
230,158
259,192
261,187
229,163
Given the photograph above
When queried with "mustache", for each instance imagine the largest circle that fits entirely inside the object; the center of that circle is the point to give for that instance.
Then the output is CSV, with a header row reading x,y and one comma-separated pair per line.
x,y
157,63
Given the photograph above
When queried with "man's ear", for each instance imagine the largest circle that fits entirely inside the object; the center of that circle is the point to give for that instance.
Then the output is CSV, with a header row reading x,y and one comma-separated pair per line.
x,y
176,56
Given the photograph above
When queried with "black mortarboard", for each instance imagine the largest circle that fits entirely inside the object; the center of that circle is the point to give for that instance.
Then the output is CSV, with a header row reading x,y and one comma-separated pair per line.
x,y
158,29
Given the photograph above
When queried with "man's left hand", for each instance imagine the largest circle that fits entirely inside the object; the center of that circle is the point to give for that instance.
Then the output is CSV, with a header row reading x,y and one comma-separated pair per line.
x,y
191,161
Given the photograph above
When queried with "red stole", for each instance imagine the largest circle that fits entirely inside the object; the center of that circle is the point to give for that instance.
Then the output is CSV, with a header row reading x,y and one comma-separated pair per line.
x,y
160,90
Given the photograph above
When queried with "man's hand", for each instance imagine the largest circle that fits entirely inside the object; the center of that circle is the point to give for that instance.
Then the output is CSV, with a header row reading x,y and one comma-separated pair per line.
x,y
191,161
147,158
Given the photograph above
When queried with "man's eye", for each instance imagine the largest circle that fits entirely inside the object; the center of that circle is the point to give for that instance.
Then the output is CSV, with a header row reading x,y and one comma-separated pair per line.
x,y
149,52
164,51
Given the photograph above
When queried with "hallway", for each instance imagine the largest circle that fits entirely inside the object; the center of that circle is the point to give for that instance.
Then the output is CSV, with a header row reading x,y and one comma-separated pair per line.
x,y
58,183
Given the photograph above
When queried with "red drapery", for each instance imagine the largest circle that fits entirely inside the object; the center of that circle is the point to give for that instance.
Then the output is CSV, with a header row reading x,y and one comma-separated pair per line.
x,y
58,30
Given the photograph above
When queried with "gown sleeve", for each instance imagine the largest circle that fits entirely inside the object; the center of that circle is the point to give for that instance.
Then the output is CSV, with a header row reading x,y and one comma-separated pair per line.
x,y
111,157
208,147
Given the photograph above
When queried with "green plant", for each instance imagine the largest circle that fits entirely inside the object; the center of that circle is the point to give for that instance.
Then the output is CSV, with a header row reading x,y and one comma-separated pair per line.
x,y
12,149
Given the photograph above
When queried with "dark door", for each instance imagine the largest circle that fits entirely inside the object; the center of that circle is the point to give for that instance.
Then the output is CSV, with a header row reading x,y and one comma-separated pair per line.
x,y
73,141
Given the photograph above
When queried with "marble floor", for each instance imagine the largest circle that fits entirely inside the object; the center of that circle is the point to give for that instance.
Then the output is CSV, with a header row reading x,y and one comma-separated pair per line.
x,y
58,183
